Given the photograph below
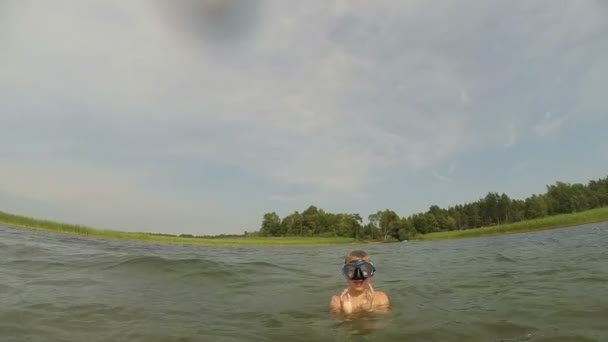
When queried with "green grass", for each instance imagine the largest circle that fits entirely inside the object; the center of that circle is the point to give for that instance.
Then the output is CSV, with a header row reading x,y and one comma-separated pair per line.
x,y
557,221
550,222
46,225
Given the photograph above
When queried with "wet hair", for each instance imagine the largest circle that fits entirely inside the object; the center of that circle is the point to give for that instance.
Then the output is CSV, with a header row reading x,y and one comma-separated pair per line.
x,y
356,255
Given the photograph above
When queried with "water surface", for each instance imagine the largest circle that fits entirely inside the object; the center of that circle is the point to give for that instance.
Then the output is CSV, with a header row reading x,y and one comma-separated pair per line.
x,y
543,286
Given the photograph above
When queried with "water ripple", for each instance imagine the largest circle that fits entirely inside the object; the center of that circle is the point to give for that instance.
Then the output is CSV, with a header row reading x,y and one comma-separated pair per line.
x,y
547,286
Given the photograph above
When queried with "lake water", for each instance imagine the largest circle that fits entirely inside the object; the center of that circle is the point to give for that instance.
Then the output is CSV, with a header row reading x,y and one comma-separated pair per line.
x,y
543,286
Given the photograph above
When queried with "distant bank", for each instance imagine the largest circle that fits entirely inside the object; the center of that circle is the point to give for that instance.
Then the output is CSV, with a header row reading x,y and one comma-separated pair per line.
x,y
551,222
19,221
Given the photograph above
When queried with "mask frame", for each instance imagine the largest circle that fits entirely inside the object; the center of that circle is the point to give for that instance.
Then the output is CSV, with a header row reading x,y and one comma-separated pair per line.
x,y
358,273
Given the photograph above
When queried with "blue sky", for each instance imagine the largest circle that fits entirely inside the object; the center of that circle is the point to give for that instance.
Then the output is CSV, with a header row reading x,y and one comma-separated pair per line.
x,y
201,117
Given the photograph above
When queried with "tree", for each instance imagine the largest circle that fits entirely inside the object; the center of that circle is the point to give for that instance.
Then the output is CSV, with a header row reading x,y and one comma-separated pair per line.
x,y
406,229
492,209
560,198
359,221
503,209
489,206
311,221
292,225
419,223
457,214
518,208
388,223
370,231
473,217
536,207
271,224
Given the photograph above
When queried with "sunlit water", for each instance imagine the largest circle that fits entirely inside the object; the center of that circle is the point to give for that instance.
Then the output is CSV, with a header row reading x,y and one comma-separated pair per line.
x,y
544,286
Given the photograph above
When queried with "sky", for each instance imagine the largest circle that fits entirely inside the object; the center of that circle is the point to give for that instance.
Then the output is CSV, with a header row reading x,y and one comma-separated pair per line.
x,y
200,116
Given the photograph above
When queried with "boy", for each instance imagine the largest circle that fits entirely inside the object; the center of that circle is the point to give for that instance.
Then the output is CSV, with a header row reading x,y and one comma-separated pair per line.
x,y
359,296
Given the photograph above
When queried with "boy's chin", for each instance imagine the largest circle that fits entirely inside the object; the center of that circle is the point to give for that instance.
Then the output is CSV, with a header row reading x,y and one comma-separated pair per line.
x,y
357,284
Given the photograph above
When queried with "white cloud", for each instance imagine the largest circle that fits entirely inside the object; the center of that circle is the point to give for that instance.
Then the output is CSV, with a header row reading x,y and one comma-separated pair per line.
x,y
331,97
447,177
549,124
464,97
441,177
511,135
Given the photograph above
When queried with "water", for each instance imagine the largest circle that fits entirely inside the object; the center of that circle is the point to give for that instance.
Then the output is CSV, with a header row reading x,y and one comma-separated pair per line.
x,y
544,286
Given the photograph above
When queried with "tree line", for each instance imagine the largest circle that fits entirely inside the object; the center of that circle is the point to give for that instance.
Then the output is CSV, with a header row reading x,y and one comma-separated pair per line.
x,y
493,209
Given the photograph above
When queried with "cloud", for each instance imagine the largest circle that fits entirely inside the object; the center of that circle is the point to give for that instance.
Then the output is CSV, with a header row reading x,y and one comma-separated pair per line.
x,y
219,105
441,177
549,124
518,167
464,97
445,177
511,135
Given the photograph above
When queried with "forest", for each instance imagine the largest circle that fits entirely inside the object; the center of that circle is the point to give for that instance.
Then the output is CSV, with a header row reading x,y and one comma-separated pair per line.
x,y
491,210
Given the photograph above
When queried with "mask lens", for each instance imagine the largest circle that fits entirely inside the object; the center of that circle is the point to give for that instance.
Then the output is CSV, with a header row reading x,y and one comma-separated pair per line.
x,y
366,269
358,270
349,270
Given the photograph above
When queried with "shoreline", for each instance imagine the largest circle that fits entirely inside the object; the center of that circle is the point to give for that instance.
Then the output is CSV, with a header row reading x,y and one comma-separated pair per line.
x,y
202,242
23,222
546,223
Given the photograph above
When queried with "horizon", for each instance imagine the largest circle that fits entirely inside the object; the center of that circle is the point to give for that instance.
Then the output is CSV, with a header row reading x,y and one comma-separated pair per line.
x,y
364,217
200,117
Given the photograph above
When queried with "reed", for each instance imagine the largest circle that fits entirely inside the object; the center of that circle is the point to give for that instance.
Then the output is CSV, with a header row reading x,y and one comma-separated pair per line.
x,y
550,222
65,228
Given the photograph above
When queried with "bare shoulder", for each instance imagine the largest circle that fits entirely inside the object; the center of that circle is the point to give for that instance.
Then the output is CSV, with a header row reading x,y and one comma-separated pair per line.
x,y
334,304
380,298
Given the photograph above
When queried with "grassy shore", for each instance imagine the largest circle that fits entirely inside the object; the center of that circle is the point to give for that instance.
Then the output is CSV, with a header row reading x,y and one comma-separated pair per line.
x,y
557,221
45,225
550,222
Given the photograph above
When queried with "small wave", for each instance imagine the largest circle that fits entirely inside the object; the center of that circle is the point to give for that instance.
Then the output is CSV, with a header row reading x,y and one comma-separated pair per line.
x,y
550,271
508,331
184,269
23,262
5,288
65,282
22,250
445,290
299,314
35,266
562,337
47,307
84,311
503,258
159,263
471,285
503,274
265,266
593,279
95,308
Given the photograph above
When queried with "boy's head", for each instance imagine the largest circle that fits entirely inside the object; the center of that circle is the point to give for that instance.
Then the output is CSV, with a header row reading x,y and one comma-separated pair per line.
x,y
356,255
358,270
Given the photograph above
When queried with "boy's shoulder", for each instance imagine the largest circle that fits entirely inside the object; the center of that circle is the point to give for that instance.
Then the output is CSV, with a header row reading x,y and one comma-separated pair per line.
x,y
380,298
334,304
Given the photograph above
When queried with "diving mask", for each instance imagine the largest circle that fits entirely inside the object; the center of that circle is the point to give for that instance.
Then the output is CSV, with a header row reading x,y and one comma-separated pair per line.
x,y
358,270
